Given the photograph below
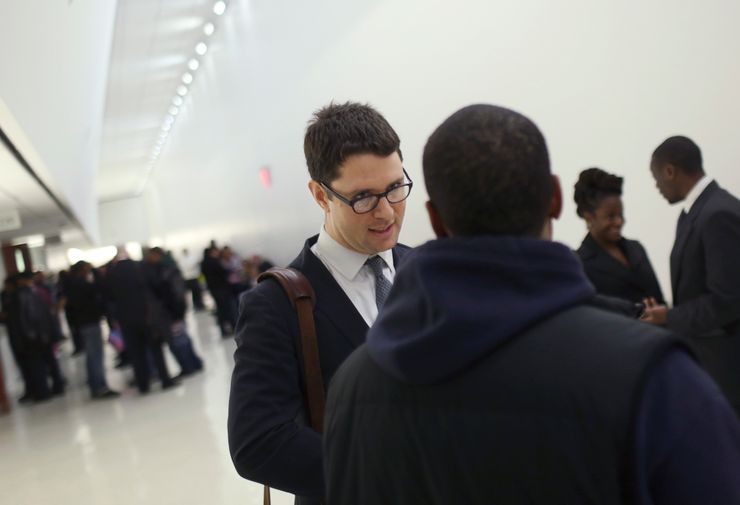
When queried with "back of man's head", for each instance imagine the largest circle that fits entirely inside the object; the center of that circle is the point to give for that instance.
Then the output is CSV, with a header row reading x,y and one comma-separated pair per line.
x,y
338,131
682,153
487,171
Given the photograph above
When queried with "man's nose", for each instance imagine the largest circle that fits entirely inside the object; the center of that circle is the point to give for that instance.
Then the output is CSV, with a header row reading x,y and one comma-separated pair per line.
x,y
384,208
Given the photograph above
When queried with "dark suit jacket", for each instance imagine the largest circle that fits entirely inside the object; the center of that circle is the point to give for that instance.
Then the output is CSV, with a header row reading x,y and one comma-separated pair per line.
x,y
612,278
126,290
268,437
705,275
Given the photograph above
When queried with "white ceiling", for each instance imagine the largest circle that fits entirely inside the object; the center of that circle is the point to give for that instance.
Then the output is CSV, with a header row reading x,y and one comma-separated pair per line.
x,y
153,41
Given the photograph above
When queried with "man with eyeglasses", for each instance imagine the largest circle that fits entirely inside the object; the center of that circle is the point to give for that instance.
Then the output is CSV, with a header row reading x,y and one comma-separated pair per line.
x,y
357,178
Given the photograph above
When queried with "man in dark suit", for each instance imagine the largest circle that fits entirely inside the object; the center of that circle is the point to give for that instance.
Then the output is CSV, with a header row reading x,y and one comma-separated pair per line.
x,y
357,178
705,266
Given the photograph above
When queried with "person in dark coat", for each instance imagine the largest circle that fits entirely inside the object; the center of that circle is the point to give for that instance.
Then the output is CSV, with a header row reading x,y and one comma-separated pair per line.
x,y
85,297
167,299
33,323
705,266
8,311
358,180
488,378
616,266
69,313
217,281
130,302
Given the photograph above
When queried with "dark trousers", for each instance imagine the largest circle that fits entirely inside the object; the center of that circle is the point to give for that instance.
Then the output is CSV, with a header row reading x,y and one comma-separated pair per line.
x,y
194,286
140,341
42,365
78,341
21,361
226,310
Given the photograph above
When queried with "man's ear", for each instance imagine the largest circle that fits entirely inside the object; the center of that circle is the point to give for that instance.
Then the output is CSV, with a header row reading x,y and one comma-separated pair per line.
x,y
440,230
670,171
319,194
556,201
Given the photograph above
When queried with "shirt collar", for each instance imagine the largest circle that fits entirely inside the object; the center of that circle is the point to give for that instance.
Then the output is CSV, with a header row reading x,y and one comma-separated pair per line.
x,y
346,261
696,192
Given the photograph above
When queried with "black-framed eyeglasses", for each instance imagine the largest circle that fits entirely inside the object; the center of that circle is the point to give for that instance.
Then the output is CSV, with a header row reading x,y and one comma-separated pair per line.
x,y
364,203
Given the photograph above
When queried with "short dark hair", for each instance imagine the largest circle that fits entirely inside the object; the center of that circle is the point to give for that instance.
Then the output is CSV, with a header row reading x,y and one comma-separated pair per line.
x,y
338,131
487,171
680,152
593,185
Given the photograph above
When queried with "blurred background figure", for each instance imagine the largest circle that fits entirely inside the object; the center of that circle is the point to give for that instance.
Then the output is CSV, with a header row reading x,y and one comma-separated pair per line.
x,y
616,266
69,314
131,305
31,319
167,304
217,280
85,298
9,317
190,265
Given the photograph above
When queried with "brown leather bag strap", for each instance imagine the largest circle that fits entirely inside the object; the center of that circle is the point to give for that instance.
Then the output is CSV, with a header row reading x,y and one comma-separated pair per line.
x,y
303,299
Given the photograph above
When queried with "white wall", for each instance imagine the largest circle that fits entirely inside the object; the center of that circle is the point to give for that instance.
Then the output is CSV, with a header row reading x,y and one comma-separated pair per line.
x,y
124,221
606,81
53,72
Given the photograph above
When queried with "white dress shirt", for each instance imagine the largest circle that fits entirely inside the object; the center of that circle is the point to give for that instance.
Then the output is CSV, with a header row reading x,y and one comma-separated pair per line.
x,y
695,193
190,266
353,276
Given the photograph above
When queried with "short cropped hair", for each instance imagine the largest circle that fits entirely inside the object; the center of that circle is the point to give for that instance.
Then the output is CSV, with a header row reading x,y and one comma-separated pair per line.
x,y
680,152
487,171
593,185
338,131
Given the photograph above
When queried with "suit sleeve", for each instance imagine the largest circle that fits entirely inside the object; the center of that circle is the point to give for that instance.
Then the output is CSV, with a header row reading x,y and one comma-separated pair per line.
x,y
720,305
266,443
651,279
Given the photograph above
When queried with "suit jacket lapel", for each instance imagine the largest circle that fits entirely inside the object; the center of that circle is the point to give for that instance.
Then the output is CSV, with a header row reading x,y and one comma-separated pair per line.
x,y
683,233
331,300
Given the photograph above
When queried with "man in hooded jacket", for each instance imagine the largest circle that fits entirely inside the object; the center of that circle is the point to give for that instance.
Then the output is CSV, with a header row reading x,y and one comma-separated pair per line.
x,y
488,377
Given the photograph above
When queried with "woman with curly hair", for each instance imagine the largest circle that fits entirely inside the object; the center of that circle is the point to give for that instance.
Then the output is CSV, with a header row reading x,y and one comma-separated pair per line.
x,y
615,265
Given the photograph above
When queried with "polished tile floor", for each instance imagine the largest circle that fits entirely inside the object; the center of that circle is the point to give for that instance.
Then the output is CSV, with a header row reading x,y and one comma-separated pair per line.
x,y
169,447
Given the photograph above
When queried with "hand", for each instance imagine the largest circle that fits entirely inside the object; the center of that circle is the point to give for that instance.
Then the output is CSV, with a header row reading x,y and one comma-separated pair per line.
x,y
654,313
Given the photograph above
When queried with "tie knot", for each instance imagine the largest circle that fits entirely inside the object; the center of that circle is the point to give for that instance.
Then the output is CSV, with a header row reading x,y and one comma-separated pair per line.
x,y
376,264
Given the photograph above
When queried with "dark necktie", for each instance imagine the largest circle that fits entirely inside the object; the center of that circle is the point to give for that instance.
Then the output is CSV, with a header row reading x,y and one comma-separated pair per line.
x,y
681,222
382,284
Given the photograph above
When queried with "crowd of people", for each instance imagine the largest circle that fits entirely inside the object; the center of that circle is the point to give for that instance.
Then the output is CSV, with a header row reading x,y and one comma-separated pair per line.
x,y
142,305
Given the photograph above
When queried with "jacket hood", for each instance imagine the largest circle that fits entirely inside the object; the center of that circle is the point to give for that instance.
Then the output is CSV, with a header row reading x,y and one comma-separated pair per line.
x,y
456,300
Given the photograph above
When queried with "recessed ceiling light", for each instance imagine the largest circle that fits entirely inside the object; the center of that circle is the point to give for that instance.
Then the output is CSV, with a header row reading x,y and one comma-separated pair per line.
x,y
187,77
193,64
173,110
219,8
177,100
182,90
201,48
208,29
